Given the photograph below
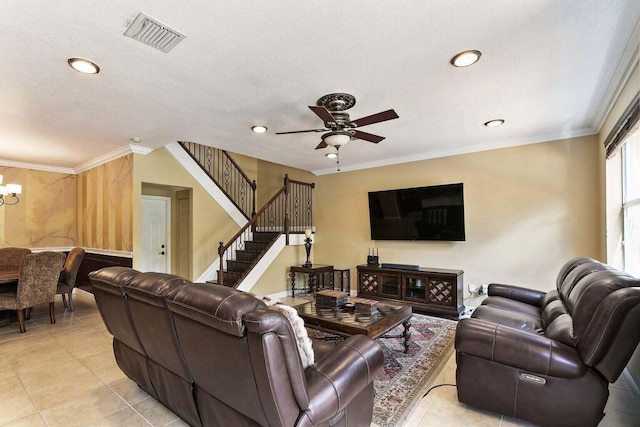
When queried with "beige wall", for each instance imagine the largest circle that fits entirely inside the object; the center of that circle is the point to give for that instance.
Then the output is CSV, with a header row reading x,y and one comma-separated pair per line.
x,y
271,179
210,223
46,214
105,212
276,279
249,165
528,210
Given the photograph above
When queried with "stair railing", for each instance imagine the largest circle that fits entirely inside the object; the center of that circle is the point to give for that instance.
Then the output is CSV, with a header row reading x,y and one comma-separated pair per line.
x,y
288,211
226,174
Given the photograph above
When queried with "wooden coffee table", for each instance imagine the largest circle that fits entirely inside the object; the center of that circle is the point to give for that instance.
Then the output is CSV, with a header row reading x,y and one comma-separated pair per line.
x,y
344,323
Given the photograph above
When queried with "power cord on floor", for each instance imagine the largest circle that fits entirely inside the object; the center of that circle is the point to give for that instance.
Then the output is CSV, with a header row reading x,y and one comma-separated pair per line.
x,y
436,386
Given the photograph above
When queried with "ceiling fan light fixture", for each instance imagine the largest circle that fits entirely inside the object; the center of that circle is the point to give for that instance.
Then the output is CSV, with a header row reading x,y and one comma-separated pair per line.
x,y
336,139
83,66
466,58
494,123
259,128
333,153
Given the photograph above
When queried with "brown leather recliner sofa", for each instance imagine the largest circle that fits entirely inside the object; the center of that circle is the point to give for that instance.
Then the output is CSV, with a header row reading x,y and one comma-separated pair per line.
x,y
220,357
549,357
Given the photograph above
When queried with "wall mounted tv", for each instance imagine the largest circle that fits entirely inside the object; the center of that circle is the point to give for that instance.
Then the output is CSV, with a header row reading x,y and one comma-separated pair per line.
x,y
423,213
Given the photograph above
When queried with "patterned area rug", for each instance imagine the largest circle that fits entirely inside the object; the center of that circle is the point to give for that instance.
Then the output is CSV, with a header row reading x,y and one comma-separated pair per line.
x,y
407,376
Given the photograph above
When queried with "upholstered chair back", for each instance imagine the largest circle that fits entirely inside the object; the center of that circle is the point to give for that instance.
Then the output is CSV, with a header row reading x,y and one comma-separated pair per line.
x,y
12,257
38,278
71,267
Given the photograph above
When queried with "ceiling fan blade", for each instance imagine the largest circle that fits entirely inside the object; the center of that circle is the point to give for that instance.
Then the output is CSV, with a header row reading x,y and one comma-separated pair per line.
x,y
366,136
323,113
322,145
301,131
374,118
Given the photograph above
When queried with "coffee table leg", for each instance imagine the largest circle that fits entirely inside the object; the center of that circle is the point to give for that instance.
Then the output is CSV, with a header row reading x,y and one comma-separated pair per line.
x,y
406,334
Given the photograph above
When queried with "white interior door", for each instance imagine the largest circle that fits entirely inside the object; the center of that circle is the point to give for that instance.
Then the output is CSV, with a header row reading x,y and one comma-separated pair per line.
x,y
156,218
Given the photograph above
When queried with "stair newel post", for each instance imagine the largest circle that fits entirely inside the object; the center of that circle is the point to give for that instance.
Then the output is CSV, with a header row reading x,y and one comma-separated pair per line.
x,y
221,267
253,187
287,187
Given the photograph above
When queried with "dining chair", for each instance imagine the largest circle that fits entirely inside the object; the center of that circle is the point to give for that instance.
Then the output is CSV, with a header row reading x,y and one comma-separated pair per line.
x,y
67,280
39,273
12,257
10,260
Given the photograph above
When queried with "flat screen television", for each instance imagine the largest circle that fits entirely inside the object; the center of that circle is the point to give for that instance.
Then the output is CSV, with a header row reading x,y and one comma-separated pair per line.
x,y
423,213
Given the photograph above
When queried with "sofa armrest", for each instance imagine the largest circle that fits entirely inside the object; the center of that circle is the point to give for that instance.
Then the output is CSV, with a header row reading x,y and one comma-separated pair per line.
x,y
341,375
520,349
517,293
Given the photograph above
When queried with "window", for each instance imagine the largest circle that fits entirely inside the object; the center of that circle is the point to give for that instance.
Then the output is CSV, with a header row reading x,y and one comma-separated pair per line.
x,y
631,203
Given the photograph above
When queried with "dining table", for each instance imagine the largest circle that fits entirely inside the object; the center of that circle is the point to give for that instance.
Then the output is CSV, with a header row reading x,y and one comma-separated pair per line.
x,y
9,274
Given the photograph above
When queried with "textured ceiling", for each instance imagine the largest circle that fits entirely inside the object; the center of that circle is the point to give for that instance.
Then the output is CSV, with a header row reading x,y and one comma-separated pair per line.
x,y
549,68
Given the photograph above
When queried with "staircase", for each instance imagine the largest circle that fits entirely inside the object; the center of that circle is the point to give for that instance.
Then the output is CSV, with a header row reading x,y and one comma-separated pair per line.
x,y
288,211
245,259
226,174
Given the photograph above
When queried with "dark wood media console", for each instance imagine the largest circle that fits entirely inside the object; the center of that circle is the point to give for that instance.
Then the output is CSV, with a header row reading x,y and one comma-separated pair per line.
x,y
433,291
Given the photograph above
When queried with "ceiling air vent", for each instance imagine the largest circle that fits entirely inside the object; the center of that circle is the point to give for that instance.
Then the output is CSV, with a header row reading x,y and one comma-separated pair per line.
x,y
154,34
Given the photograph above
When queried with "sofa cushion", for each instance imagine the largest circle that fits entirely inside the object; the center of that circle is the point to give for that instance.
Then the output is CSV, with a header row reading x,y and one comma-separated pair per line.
x,y
509,318
512,305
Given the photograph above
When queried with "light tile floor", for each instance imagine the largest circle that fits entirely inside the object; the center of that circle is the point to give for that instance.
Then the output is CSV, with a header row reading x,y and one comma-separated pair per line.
x,y
65,375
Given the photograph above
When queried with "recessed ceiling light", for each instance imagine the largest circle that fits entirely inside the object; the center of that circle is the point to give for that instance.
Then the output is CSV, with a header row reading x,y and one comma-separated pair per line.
x,y
493,123
83,66
332,155
466,58
259,128
136,139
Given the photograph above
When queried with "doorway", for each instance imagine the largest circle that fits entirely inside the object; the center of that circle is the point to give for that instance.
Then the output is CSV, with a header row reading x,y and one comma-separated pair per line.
x,y
156,232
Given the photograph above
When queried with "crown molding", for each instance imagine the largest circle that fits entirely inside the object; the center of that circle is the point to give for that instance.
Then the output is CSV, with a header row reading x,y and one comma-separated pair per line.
x,y
36,166
505,143
121,152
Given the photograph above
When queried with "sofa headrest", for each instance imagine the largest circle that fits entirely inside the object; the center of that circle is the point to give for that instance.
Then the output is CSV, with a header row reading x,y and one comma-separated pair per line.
x,y
216,306
568,268
111,279
576,274
153,288
589,294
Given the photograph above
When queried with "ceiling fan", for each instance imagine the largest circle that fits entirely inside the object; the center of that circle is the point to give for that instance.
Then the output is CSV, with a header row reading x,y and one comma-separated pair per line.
x,y
340,128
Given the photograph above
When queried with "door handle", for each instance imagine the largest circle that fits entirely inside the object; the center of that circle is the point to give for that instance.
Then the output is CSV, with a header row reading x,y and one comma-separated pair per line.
x,y
161,253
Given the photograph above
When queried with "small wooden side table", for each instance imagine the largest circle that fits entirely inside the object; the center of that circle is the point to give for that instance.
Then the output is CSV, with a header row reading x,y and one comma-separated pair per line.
x,y
315,274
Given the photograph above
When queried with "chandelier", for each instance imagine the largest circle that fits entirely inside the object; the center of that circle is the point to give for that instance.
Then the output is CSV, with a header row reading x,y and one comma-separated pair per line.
x,y
9,193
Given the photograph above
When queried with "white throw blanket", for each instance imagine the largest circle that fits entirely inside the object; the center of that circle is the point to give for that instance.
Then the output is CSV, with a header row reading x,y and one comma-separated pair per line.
x,y
303,341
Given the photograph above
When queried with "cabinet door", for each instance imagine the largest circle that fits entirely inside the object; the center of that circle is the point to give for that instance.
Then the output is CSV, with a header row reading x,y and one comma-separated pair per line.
x,y
442,290
415,288
390,286
367,283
